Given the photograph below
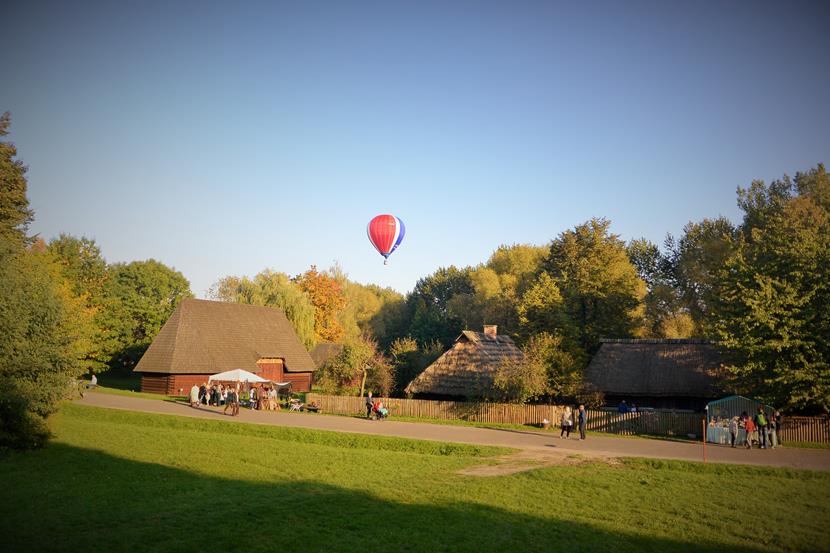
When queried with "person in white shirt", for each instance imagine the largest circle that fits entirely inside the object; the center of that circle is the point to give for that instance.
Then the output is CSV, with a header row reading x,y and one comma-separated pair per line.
x,y
194,396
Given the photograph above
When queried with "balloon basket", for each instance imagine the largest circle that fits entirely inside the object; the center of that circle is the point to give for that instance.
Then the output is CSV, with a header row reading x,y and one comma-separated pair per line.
x,y
386,262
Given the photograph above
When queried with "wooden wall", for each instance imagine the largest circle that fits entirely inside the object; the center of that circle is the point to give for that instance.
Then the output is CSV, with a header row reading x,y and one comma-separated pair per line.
x,y
171,384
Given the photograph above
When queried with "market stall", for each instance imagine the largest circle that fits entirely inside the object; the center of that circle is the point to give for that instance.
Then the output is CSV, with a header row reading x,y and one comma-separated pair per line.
x,y
720,412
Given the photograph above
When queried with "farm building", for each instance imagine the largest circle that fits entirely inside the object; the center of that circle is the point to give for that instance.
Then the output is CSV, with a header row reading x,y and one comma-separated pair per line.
x,y
207,337
468,368
668,374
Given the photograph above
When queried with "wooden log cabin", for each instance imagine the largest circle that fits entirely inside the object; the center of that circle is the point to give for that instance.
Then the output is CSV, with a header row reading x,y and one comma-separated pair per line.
x,y
203,337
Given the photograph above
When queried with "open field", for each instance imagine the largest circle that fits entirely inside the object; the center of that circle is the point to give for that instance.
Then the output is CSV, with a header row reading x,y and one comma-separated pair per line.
x,y
116,480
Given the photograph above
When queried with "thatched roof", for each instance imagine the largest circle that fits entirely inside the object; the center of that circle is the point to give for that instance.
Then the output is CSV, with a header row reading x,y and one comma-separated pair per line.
x,y
324,351
468,368
206,337
657,368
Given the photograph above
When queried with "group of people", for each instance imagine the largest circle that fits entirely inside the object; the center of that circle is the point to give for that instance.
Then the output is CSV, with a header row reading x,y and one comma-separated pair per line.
x,y
568,422
375,408
763,429
264,398
217,395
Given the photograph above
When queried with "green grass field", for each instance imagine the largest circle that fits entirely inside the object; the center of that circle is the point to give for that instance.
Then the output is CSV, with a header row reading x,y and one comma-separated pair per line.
x,y
121,481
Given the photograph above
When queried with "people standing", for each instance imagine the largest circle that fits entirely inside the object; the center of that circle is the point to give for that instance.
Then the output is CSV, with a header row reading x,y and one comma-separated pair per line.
x,y
203,393
749,426
235,411
733,430
369,405
230,403
583,418
567,422
761,425
194,396
777,419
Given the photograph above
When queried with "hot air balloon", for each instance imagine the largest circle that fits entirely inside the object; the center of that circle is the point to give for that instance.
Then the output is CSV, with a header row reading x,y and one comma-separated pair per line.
x,y
385,233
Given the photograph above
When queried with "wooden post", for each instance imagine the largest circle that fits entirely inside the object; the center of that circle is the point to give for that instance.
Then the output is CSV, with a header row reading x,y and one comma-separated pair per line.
x,y
363,382
704,440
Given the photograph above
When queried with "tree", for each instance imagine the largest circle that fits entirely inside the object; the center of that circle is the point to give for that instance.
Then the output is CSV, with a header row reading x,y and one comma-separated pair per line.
x,y
409,359
430,315
547,369
343,374
40,346
271,289
138,298
327,298
15,214
771,314
601,292
664,314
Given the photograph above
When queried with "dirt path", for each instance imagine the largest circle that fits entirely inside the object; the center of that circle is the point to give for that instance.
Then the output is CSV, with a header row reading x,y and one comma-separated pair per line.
x,y
604,447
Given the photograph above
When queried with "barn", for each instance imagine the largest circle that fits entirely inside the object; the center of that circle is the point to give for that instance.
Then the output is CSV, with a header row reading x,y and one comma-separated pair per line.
x,y
660,373
468,368
207,337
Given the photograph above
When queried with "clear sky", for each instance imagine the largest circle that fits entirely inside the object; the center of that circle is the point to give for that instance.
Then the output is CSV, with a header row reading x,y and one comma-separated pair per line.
x,y
226,138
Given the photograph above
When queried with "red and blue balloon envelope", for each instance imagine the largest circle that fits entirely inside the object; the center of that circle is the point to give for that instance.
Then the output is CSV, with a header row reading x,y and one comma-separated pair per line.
x,y
386,234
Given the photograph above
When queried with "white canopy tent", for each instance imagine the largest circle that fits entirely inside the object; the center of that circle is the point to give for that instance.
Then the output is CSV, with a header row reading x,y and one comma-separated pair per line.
x,y
237,375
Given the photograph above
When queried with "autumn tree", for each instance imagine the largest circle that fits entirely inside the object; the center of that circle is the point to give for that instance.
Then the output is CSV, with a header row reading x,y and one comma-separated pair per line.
x,y
409,359
327,298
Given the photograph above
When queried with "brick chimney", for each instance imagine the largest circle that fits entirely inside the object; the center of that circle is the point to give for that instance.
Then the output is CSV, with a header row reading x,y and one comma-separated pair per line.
x,y
490,330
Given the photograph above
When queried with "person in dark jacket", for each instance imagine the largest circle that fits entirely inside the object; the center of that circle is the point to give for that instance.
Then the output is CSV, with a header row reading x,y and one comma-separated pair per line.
x,y
582,419
369,405
761,425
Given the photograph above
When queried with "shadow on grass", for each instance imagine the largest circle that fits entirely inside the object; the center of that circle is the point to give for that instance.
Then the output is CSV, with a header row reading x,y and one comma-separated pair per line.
x,y
89,500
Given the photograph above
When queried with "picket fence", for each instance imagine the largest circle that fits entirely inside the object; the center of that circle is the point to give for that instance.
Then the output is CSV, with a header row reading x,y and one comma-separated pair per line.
x,y
660,422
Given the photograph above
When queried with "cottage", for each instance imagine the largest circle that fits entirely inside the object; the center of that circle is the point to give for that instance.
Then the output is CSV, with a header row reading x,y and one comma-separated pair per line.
x,y
207,337
671,374
469,367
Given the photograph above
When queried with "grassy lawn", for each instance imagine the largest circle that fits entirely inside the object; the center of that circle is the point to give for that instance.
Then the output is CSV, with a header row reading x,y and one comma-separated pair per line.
x,y
116,480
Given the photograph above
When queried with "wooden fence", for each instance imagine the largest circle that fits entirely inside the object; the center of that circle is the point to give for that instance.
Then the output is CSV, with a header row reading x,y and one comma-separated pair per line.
x,y
657,422
662,423
805,429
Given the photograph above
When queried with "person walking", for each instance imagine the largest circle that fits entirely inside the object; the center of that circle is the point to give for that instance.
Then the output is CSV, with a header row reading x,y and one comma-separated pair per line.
x,y
567,423
749,426
369,405
583,418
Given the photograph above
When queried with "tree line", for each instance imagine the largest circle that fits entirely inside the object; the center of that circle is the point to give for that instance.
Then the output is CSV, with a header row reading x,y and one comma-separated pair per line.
x,y
759,288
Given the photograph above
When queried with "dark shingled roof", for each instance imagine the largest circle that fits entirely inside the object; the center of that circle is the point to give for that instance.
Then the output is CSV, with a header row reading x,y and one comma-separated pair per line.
x,y
325,351
468,368
657,368
207,337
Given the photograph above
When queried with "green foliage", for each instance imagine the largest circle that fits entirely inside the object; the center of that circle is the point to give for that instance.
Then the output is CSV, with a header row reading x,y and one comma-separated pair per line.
x,y
409,359
15,214
271,289
601,292
40,346
771,314
343,374
429,306
548,369
138,298
409,491
694,262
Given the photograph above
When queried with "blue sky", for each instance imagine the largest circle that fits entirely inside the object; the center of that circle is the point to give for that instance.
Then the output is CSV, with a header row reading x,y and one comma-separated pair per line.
x,y
225,139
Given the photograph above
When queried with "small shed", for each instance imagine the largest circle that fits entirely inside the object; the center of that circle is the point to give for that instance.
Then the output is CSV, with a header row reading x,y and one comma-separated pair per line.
x,y
721,411
468,369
